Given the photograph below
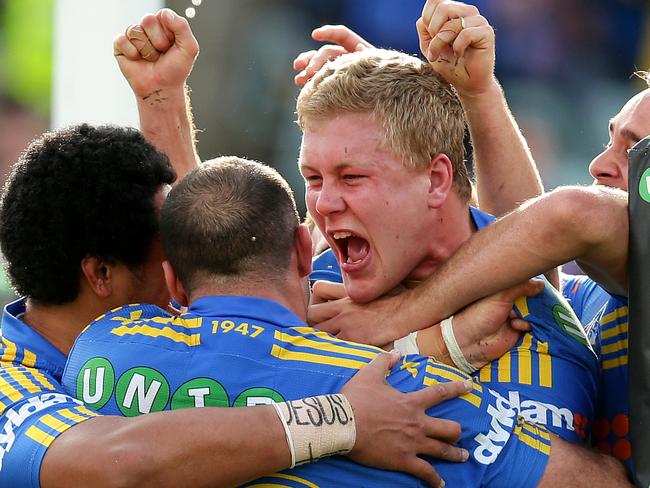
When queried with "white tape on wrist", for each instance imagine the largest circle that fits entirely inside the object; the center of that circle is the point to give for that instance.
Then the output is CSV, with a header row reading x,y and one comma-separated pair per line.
x,y
454,349
318,426
408,345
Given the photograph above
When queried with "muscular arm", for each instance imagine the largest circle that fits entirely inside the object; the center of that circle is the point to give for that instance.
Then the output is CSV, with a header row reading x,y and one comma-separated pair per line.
x,y
156,57
572,465
229,446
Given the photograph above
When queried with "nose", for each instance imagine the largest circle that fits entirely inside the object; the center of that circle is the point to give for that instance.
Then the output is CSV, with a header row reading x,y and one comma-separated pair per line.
x,y
609,168
329,200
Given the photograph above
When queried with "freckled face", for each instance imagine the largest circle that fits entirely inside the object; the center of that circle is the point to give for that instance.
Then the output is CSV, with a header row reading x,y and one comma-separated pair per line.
x,y
368,206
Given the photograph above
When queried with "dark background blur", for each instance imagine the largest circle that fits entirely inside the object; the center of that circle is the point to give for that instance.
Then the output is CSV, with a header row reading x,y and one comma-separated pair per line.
x,y
566,67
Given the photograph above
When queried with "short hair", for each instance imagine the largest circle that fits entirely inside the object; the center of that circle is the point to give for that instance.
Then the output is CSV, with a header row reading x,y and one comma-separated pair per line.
x,y
644,75
229,219
420,112
77,192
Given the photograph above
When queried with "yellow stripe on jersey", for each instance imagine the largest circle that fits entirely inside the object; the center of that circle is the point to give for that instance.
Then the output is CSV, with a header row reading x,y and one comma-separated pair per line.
x,y
10,352
293,478
330,338
410,366
9,390
86,411
531,441
525,360
300,341
3,407
39,436
189,323
612,316
614,331
522,305
29,358
54,423
286,355
42,379
545,368
485,374
71,415
149,331
615,347
615,363
503,368
21,378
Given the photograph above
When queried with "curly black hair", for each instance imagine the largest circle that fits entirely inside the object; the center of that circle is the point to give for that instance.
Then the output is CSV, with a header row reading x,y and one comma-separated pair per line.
x,y
76,192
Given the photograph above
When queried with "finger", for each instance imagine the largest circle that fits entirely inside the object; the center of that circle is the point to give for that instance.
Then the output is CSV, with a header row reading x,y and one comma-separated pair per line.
x,y
302,60
123,47
428,9
328,326
442,430
521,325
183,37
163,26
528,288
444,38
446,11
479,37
324,291
423,37
423,470
319,313
439,392
155,33
323,55
443,450
138,37
379,367
341,35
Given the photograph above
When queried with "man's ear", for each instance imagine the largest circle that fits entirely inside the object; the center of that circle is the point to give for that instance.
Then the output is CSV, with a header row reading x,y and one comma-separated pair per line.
x,y
174,285
441,179
98,274
302,247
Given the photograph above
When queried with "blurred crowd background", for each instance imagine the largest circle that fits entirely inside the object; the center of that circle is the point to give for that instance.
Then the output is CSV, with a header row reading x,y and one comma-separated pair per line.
x,y
566,66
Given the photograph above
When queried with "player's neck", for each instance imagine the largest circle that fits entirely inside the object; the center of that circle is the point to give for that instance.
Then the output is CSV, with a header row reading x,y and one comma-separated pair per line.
x,y
59,324
451,227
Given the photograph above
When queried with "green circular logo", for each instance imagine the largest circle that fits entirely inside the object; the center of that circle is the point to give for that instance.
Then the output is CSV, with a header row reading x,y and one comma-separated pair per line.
x,y
95,382
141,390
257,396
200,392
644,185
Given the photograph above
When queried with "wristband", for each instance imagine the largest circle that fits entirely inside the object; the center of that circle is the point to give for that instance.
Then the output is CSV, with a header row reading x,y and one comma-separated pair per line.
x,y
317,427
408,345
455,351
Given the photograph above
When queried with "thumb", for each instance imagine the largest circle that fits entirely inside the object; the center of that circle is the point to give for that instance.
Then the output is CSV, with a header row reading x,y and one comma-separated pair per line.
x,y
528,288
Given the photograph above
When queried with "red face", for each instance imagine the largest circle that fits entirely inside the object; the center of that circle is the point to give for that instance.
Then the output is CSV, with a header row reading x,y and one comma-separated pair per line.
x,y
627,128
367,204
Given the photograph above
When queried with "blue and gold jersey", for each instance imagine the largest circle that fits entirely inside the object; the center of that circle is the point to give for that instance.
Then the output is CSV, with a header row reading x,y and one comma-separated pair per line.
x,y
551,375
240,351
604,317
34,408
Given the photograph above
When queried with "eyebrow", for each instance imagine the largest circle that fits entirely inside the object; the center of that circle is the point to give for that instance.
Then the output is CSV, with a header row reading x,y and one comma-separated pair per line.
x,y
627,133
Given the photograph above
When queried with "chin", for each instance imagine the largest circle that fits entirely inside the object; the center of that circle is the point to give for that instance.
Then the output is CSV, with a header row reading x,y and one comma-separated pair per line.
x,y
359,293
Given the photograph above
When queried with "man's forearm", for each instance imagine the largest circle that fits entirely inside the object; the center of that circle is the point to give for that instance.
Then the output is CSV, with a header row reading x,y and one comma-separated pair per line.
x,y
576,466
166,121
506,174
584,223
189,447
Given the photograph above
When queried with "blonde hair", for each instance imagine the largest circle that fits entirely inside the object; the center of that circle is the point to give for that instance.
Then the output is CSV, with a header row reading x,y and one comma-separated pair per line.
x,y
419,111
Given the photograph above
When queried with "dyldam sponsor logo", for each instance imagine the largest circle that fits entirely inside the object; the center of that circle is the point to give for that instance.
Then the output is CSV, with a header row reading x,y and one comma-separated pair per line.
x,y
17,416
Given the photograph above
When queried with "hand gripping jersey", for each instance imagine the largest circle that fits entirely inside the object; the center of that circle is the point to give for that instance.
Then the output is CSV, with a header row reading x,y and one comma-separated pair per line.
x,y
551,375
604,317
237,351
34,409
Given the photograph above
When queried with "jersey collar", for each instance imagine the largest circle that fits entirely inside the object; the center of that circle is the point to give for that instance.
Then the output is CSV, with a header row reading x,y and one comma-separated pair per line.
x,y
260,309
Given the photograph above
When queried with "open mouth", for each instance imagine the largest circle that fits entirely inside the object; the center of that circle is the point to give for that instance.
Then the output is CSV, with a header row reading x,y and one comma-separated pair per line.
x,y
352,248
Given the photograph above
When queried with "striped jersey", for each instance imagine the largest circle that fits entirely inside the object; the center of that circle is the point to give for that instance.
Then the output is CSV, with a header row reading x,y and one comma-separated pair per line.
x,y
551,376
34,408
605,319
243,351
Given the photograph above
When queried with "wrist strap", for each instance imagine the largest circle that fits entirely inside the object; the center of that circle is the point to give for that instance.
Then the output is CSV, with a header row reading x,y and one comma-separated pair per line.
x,y
317,426
454,349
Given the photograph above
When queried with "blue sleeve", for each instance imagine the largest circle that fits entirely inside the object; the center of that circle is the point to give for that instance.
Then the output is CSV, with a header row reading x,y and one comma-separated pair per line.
x,y
505,450
34,412
326,268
